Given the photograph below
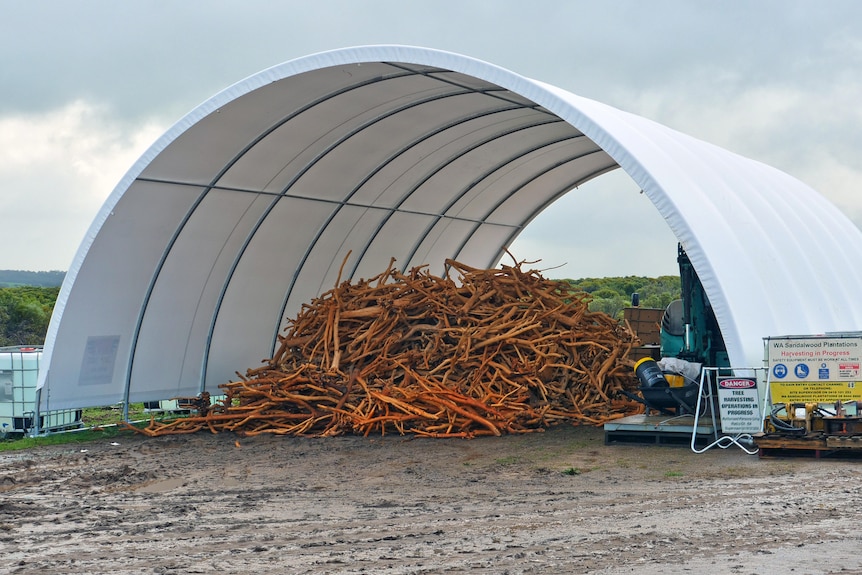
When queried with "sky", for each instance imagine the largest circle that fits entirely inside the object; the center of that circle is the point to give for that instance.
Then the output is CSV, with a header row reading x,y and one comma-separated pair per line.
x,y
86,86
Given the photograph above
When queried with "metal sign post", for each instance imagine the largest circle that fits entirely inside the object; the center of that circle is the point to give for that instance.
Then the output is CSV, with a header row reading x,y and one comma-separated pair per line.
x,y
738,406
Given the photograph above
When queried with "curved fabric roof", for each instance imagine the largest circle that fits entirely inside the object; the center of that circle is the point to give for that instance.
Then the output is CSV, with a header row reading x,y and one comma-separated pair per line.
x,y
247,207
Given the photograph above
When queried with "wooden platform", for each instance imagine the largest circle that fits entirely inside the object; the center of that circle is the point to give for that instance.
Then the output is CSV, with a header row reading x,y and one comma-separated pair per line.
x,y
812,445
658,429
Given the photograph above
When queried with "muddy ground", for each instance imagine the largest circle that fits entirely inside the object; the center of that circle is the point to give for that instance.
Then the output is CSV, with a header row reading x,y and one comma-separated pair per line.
x,y
554,502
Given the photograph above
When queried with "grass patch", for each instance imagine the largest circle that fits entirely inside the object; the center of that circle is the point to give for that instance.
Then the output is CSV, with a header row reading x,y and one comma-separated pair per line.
x,y
508,460
61,438
674,474
112,414
99,423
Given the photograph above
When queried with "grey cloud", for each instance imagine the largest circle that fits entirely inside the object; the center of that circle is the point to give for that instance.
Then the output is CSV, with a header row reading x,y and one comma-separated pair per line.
x,y
690,65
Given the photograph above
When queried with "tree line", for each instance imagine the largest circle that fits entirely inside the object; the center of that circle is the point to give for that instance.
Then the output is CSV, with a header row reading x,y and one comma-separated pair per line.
x,y
12,278
612,295
25,311
24,314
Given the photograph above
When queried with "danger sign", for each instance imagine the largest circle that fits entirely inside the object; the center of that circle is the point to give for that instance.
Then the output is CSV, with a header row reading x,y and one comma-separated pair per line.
x,y
738,405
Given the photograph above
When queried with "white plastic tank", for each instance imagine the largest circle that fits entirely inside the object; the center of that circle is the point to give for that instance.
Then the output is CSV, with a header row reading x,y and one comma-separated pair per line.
x,y
19,372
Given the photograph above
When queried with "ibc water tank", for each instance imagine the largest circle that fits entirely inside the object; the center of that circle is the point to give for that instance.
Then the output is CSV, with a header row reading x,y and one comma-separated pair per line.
x,y
19,373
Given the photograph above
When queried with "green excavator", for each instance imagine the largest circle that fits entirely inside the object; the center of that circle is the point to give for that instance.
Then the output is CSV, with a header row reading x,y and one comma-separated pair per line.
x,y
689,330
689,339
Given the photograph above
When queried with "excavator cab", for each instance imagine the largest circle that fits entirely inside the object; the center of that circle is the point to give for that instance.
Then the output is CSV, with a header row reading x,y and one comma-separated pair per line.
x,y
689,330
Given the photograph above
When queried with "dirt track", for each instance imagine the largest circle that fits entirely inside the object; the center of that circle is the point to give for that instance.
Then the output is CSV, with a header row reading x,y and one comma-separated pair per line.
x,y
555,502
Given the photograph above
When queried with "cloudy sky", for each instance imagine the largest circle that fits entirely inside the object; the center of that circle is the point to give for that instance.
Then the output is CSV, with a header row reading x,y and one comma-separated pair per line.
x,y
87,85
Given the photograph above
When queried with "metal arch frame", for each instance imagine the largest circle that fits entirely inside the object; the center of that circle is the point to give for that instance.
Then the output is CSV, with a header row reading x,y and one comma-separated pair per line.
x,y
442,166
550,118
564,190
382,165
475,145
484,219
304,170
206,189
436,219
435,74
190,212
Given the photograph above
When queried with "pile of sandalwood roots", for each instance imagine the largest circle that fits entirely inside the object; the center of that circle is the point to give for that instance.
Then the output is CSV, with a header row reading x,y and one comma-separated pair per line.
x,y
497,351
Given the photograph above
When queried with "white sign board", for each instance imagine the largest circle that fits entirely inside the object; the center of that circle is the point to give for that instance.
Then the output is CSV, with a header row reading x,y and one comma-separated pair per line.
x,y
815,358
815,369
738,405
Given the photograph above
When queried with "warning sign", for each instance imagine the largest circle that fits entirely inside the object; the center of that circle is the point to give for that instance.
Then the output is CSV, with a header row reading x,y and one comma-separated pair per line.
x,y
848,370
815,369
814,357
738,405
815,391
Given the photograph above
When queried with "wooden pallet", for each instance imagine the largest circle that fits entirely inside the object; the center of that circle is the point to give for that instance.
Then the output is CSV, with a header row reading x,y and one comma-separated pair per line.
x,y
814,445
658,430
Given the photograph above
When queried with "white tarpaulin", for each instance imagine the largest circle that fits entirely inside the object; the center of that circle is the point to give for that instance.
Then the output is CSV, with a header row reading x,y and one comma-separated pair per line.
x,y
247,207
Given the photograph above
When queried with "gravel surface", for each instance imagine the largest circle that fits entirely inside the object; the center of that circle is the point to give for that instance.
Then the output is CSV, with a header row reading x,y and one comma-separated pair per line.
x,y
555,502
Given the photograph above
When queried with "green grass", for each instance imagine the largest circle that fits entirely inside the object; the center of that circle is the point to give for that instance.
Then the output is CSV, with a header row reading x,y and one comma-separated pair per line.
x,y
112,414
508,460
61,438
99,423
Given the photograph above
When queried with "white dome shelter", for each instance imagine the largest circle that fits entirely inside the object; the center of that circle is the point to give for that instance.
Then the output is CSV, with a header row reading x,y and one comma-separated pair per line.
x,y
246,208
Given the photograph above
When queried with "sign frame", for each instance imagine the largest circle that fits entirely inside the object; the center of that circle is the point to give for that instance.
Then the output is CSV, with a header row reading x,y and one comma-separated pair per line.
x,y
739,405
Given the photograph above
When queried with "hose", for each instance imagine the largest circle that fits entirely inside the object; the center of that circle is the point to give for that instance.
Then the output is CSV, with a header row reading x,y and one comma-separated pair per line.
x,y
782,425
823,412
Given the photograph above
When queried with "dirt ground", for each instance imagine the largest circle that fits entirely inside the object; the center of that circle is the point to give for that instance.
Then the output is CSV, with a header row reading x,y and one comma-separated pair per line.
x,y
556,502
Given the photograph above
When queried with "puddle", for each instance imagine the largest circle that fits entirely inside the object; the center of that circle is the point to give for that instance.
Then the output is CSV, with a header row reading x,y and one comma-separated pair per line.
x,y
162,486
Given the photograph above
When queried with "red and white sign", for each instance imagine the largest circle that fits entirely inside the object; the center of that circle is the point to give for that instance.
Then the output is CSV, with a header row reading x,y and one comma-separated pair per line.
x,y
738,405
848,370
737,383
